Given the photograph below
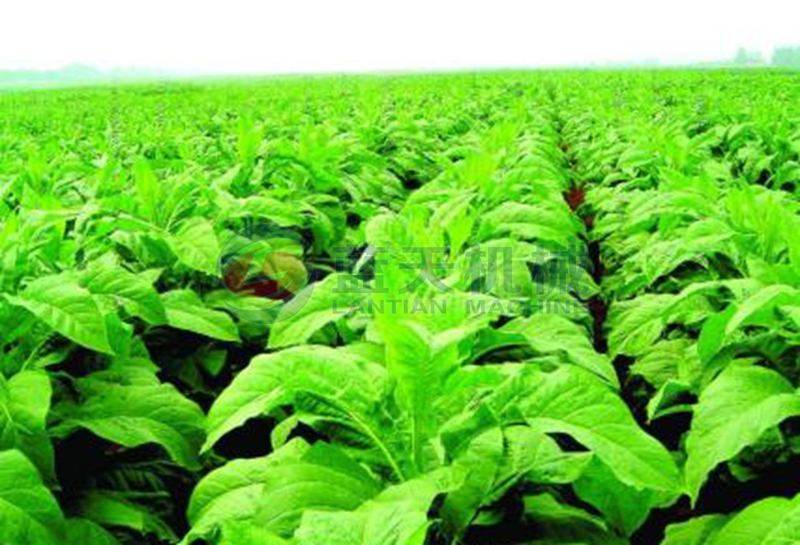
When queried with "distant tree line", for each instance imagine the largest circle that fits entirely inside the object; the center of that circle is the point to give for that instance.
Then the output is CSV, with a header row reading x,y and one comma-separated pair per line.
x,y
786,56
744,57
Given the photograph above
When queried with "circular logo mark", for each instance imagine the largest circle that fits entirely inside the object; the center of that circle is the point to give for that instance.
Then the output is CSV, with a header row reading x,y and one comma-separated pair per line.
x,y
263,271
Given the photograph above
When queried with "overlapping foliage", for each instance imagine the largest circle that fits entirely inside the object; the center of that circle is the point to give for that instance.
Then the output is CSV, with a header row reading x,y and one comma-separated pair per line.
x,y
137,407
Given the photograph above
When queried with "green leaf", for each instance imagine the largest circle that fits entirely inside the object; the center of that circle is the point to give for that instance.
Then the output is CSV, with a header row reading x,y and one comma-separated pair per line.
x,y
331,528
555,334
109,508
246,533
213,361
456,218
756,309
545,506
186,311
773,521
148,190
634,326
324,478
700,239
712,335
527,455
397,516
669,399
196,245
752,309
732,413
413,364
233,491
137,415
85,532
527,222
696,531
284,214
624,507
24,404
573,401
668,361
318,381
481,461
68,308
559,522
29,514
132,290
313,308
541,460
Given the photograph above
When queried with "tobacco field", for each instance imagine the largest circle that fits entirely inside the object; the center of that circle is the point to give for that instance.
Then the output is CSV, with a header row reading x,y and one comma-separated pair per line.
x,y
500,308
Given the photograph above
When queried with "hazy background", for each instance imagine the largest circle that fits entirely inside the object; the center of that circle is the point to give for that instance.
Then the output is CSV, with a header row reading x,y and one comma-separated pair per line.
x,y
248,37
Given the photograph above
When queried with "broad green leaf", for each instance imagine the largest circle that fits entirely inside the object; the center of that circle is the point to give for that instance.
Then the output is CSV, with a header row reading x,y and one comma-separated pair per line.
x,y
233,491
575,402
284,214
213,361
324,478
670,398
545,506
29,514
527,222
413,364
456,218
85,532
248,139
481,461
186,311
112,509
540,460
555,334
137,415
732,413
196,245
634,326
702,238
148,191
24,404
246,533
760,302
757,308
68,308
397,516
696,531
558,522
667,361
331,528
624,507
328,301
773,521
712,335
318,381
132,290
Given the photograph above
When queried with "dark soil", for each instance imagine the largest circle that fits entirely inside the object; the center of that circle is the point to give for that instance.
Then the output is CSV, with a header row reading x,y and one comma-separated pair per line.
x,y
575,197
599,311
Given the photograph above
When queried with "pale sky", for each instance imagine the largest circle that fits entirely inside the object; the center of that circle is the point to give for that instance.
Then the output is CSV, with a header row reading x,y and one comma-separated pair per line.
x,y
244,36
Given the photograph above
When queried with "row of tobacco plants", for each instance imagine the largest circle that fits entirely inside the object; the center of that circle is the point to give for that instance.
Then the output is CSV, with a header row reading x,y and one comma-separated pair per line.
x,y
543,308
